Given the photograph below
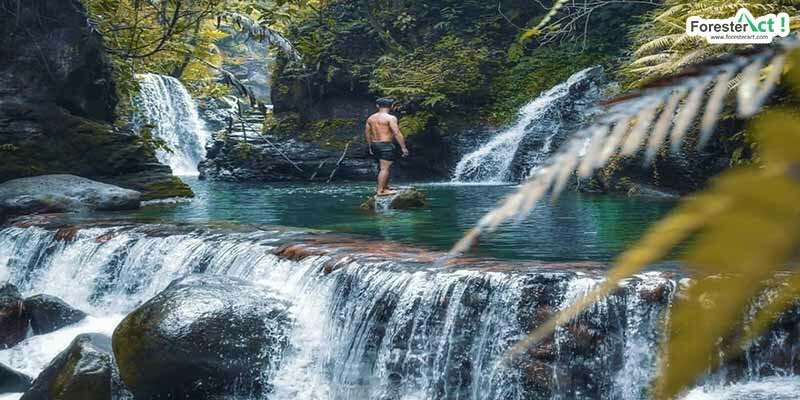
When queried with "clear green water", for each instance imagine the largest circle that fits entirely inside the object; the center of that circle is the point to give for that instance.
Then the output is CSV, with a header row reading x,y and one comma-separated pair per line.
x,y
577,227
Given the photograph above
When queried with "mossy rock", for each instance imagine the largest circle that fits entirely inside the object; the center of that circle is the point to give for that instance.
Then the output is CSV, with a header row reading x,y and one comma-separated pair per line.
x,y
165,190
12,381
405,199
49,314
203,336
83,371
13,320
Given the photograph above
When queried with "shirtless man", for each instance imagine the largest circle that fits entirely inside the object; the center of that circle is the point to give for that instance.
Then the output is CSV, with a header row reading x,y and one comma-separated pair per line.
x,y
381,131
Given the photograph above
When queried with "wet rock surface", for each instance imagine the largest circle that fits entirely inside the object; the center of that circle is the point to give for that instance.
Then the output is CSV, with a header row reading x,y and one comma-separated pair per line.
x,y
41,314
404,199
57,103
83,371
228,160
682,172
13,320
242,150
200,337
12,381
396,325
49,314
564,117
637,190
63,193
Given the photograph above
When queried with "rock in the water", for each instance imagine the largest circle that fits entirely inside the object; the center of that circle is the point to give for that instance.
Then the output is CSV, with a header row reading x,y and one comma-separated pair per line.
x,y
202,336
48,314
637,190
403,200
12,381
83,371
63,193
13,320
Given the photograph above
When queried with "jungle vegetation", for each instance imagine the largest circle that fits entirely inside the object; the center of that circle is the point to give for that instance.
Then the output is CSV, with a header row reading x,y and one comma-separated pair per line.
x,y
478,61
179,38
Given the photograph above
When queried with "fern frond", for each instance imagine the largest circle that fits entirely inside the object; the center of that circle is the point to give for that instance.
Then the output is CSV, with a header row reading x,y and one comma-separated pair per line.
x,y
652,60
658,44
686,41
697,56
679,9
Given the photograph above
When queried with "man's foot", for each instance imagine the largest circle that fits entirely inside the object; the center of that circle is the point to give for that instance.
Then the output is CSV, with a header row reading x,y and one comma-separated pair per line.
x,y
386,192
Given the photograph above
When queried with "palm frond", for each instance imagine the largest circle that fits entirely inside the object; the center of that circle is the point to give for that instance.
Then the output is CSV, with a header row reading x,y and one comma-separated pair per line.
x,y
641,107
261,32
744,239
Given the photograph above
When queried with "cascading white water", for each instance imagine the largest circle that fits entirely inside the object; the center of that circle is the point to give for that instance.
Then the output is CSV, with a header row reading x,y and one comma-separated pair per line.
x,y
370,330
491,163
164,105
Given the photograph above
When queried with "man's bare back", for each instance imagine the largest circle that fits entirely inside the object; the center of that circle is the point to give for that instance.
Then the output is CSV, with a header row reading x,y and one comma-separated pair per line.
x,y
381,130
382,127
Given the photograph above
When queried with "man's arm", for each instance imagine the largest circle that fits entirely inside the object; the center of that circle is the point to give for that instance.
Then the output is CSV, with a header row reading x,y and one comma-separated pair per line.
x,y
398,135
368,135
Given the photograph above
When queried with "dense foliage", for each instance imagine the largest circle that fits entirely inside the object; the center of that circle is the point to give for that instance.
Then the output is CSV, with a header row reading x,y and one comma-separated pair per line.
x,y
662,46
445,61
179,37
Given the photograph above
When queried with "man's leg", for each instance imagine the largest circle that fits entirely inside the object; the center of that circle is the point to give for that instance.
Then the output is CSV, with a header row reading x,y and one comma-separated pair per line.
x,y
383,176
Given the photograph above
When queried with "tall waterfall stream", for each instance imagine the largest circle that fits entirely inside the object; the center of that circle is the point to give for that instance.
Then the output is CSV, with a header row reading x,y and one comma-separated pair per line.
x,y
492,161
165,107
376,328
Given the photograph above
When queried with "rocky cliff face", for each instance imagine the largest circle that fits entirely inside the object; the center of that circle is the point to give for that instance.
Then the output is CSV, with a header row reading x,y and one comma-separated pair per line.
x,y
243,151
57,103
685,171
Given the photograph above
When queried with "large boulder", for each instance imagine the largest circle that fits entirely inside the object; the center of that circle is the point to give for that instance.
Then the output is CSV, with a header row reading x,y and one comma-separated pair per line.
x,y
203,336
57,103
83,371
12,381
49,314
13,320
63,193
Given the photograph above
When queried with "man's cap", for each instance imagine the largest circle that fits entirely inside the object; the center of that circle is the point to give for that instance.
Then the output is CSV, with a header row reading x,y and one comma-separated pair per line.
x,y
384,102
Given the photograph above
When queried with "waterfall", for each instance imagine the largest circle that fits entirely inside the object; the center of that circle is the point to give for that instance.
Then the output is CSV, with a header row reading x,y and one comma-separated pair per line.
x,y
372,329
492,162
165,106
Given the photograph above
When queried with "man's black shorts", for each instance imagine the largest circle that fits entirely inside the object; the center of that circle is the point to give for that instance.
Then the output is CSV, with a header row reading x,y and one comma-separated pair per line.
x,y
384,151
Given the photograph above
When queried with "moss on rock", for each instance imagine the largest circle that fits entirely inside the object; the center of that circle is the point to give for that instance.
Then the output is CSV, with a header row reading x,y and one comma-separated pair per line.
x,y
406,199
174,187
83,371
